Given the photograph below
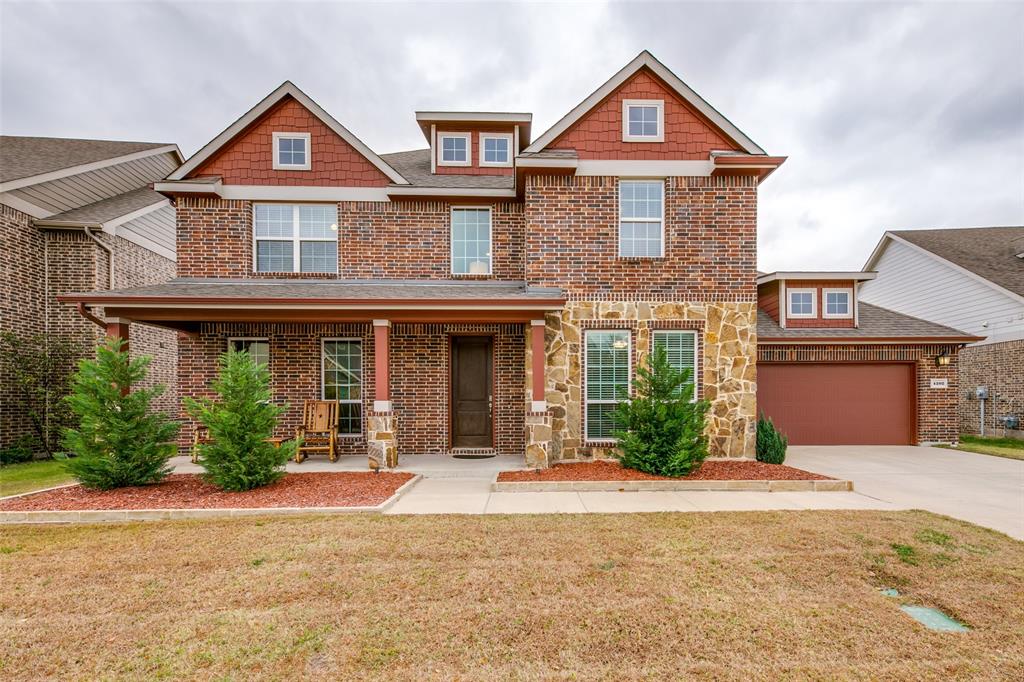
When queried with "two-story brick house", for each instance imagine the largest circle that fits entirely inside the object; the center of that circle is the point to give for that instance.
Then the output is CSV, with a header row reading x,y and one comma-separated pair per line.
x,y
492,292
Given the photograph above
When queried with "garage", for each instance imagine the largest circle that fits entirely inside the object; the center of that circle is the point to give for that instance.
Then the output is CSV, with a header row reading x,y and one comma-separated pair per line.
x,y
840,403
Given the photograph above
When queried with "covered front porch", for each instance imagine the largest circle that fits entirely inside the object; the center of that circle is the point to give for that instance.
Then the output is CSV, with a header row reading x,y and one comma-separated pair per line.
x,y
418,369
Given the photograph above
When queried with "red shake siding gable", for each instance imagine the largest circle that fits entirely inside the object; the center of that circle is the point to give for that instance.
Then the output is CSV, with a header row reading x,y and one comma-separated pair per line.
x,y
768,299
475,132
248,159
819,321
598,135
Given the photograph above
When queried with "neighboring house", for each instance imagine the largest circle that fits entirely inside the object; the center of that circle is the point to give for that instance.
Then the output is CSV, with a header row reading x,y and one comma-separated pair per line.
x,y
834,370
491,293
80,215
971,279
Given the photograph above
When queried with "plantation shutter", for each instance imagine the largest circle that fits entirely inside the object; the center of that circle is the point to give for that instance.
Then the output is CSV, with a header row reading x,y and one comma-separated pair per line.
x,y
607,374
680,349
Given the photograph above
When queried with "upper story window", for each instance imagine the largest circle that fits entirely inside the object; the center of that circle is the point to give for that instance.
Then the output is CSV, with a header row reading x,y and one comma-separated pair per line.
x,y
257,348
837,303
453,149
643,120
641,223
495,149
291,151
471,241
801,303
296,238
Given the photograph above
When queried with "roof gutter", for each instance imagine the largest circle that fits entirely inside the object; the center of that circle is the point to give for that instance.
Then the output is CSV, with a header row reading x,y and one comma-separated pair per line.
x,y
110,254
87,314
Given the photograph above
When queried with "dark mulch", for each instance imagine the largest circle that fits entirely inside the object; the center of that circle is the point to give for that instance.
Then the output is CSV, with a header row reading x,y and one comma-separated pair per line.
x,y
188,491
713,470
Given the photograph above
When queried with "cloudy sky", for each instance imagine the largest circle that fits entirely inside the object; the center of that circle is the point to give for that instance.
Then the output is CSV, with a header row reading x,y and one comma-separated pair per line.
x,y
893,116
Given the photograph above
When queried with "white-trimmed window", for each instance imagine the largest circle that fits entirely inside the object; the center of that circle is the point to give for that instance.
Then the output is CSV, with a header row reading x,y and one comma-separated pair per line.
x,y
641,218
257,348
295,237
291,151
495,149
802,303
471,241
454,149
837,303
341,372
681,350
643,120
608,368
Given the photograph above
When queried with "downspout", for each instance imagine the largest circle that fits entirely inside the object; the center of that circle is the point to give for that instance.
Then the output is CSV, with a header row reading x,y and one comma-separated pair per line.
x,y
87,314
110,255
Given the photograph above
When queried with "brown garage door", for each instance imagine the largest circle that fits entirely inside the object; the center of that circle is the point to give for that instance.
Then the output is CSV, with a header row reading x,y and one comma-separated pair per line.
x,y
839,404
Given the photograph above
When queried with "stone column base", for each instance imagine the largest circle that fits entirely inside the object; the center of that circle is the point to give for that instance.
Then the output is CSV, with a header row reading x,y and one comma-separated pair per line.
x,y
538,439
380,440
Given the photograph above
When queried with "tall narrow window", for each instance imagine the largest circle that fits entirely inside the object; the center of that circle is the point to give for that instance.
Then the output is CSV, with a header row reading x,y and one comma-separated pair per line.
x,y
453,149
641,218
495,149
296,238
291,151
342,376
681,351
258,349
471,241
607,377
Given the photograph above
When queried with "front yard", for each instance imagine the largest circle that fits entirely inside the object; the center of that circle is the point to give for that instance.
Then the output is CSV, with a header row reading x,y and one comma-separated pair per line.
x,y
660,596
29,476
1010,448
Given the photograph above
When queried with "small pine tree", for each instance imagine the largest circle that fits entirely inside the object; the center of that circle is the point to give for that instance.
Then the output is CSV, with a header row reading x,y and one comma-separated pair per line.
x,y
661,429
119,441
240,422
771,444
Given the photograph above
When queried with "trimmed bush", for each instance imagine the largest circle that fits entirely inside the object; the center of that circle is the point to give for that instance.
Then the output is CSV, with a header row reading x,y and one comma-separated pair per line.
x,y
21,450
661,429
239,422
119,442
771,444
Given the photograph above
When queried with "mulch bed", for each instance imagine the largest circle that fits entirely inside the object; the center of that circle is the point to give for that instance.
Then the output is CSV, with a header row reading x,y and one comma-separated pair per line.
x,y
188,491
713,470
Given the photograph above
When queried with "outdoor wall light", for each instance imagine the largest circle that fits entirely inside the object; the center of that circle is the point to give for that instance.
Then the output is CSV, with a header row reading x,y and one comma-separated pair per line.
x,y
944,359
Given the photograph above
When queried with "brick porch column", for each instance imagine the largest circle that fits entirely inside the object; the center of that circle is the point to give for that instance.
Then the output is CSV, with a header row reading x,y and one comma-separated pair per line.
x,y
538,418
380,425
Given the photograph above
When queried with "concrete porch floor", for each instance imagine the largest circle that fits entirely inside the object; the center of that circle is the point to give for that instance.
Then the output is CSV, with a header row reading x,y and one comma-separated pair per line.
x,y
429,466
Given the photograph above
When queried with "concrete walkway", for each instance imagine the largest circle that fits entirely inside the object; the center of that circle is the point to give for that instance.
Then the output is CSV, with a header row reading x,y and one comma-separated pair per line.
x,y
982,489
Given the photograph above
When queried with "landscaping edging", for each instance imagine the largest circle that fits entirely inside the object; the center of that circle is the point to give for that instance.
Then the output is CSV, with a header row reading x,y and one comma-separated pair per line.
x,y
632,486
121,515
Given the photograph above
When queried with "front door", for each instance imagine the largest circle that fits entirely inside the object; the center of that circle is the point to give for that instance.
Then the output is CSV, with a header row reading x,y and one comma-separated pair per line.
x,y
472,388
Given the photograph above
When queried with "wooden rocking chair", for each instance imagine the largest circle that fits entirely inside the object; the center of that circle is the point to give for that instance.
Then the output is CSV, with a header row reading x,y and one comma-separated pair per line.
x,y
319,430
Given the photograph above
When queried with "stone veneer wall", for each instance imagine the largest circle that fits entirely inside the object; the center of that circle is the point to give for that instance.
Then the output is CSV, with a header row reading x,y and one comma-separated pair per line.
x,y
1000,367
726,368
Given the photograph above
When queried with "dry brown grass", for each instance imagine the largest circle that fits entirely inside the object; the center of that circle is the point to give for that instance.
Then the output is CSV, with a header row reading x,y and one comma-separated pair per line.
x,y
790,595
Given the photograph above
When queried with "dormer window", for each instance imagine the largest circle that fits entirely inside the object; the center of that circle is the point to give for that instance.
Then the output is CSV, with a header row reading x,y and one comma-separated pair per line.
x,y
643,120
453,149
801,303
837,303
495,149
291,151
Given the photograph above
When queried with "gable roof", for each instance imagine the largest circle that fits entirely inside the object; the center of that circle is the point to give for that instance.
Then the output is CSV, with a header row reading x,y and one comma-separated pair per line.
x,y
106,210
286,89
642,60
30,160
988,253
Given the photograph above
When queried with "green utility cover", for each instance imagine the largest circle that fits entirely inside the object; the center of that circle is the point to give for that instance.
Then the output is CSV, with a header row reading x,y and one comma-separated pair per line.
x,y
933,619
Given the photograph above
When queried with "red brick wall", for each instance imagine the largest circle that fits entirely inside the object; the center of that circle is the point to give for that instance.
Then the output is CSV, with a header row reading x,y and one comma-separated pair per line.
x,y
819,321
936,407
248,160
474,137
572,228
1000,367
598,135
419,376
386,240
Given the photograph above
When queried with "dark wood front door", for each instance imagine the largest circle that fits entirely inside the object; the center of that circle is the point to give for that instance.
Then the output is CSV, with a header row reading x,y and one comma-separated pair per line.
x,y
471,392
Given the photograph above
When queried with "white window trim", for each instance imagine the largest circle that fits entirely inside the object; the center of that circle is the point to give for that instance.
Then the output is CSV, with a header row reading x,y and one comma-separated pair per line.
x,y
696,355
232,339
849,303
618,227
496,136
451,240
292,166
659,104
440,149
362,381
789,303
295,239
605,401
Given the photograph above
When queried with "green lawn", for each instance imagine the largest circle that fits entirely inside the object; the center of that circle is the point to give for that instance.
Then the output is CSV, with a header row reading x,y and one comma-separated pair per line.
x,y
23,478
998,447
716,596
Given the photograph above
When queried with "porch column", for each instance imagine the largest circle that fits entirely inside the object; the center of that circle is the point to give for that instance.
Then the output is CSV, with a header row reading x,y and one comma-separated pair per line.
x,y
538,419
539,402
117,328
380,426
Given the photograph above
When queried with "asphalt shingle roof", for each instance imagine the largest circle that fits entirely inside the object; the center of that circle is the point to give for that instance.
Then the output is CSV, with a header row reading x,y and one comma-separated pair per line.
x,y
24,157
110,208
414,166
874,322
989,252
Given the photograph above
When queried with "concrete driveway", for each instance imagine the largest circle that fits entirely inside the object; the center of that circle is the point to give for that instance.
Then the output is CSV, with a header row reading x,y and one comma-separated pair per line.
x,y
982,489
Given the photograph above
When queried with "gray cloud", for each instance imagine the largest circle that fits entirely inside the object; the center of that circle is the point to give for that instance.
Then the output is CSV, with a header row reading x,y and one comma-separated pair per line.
x,y
893,116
